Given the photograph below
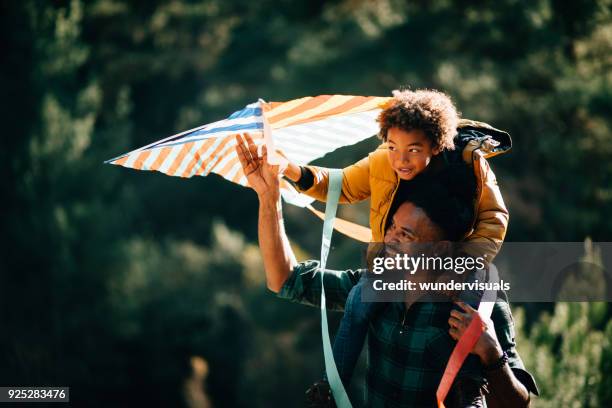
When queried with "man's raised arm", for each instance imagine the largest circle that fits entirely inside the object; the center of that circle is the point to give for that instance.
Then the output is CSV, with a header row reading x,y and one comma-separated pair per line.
x,y
277,254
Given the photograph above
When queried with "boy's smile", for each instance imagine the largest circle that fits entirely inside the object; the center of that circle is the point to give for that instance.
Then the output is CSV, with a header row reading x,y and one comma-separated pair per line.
x,y
409,152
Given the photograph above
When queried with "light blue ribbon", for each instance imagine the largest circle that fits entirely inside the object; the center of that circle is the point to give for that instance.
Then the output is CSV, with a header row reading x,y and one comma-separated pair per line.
x,y
333,195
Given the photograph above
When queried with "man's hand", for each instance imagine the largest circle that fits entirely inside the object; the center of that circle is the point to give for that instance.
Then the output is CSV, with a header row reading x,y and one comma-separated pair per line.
x,y
261,176
487,347
505,389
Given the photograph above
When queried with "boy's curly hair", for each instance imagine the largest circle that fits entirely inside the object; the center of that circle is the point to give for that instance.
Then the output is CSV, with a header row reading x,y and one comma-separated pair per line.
x,y
431,111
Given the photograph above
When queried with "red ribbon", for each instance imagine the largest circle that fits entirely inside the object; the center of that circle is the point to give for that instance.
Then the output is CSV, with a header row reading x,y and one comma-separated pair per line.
x,y
464,346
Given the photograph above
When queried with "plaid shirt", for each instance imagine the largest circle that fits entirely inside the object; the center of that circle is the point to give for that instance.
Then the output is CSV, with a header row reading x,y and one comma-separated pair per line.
x,y
407,348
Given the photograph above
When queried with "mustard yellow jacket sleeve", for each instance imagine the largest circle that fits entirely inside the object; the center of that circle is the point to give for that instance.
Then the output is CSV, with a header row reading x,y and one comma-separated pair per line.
x,y
492,215
355,182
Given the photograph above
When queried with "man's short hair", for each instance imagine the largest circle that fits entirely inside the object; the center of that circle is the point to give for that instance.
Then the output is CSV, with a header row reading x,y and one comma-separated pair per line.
x,y
431,111
447,197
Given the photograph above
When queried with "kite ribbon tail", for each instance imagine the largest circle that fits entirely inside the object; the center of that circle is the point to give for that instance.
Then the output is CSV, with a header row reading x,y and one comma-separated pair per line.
x,y
348,228
333,196
467,342
462,349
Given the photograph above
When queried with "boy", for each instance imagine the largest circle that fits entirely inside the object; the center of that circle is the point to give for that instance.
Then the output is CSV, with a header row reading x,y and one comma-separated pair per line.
x,y
419,131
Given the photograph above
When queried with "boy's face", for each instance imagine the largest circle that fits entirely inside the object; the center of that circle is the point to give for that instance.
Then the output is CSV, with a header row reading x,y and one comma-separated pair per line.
x,y
409,152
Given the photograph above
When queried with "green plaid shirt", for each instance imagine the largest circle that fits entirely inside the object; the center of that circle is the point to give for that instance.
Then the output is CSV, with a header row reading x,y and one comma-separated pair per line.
x,y
407,348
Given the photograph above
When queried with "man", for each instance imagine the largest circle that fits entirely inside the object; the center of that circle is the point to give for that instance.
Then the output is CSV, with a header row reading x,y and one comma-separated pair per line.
x,y
409,345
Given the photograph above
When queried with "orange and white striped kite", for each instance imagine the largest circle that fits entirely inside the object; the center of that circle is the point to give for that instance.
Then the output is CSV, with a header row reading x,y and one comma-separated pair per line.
x,y
304,129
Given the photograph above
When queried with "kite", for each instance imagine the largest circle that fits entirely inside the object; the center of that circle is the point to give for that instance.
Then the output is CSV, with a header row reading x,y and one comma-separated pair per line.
x,y
303,129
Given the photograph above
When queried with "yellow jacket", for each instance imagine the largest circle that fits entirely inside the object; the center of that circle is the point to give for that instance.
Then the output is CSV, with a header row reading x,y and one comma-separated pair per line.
x,y
372,177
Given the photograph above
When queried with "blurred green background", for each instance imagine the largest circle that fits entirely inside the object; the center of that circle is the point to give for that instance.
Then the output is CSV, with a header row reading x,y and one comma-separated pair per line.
x,y
135,288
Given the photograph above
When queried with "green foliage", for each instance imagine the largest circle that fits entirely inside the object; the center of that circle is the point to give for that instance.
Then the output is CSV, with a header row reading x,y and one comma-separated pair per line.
x,y
140,289
568,355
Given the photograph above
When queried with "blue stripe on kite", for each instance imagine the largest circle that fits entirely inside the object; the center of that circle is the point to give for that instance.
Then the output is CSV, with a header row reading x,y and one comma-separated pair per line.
x,y
247,126
234,128
246,112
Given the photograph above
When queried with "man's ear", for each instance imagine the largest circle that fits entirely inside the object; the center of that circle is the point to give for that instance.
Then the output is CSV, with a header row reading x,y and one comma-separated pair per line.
x,y
443,248
436,150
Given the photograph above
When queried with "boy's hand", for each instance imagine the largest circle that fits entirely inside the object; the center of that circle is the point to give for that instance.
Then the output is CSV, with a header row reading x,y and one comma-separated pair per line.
x,y
291,171
261,176
288,169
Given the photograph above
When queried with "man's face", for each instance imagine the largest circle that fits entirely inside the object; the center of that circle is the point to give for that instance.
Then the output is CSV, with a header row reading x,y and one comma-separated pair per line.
x,y
409,153
412,234
410,224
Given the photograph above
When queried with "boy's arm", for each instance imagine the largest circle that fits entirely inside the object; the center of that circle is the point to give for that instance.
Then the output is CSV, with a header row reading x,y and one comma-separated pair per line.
x,y
492,215
355,181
